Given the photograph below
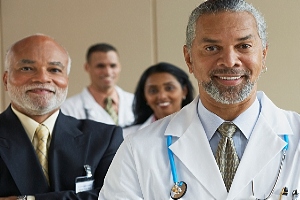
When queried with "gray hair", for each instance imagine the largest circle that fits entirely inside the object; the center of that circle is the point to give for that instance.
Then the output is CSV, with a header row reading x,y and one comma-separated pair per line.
x,y
216,6
10,52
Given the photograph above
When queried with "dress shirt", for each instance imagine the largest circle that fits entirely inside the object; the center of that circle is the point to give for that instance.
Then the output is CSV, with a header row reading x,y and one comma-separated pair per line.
x,y
245,123
30,125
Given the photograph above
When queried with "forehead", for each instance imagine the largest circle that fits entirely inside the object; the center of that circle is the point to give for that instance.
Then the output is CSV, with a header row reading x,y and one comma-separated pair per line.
x,y
161,78
39,49
226,22
100,56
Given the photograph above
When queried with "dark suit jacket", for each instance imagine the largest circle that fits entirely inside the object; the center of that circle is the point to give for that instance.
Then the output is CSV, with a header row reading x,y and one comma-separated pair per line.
x,y
74,144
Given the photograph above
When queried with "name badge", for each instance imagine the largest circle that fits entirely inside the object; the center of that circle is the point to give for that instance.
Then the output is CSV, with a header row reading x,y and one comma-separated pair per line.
x,y
85,183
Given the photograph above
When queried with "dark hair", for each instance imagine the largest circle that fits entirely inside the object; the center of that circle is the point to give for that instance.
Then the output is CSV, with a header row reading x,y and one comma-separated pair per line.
x,y
141,110
100,47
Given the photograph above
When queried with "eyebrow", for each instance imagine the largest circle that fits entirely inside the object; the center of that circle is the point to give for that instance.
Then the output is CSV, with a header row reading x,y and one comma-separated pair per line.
x,y
208,40
245,38
59,64
164,84
54,63
27,61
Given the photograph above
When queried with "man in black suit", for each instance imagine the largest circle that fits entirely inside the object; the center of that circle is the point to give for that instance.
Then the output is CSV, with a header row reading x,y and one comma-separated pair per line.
x,y
36,79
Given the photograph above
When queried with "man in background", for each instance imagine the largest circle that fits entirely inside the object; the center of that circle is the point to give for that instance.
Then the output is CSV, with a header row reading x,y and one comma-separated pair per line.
x,y
102,100
43,153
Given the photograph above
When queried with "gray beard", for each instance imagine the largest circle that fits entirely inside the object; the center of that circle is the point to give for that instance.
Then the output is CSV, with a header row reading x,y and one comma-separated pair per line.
x,y
38,105
230,94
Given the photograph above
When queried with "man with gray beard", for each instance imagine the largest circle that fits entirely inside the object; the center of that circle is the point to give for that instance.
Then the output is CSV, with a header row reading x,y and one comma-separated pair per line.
x,y
43,153
231,142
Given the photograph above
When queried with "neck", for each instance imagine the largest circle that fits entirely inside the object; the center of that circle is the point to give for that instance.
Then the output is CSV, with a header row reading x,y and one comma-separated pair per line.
x,y
101,95
38,118
227,112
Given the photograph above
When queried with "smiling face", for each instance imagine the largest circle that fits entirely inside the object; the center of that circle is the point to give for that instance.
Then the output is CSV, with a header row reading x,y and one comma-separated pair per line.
x,y
163,94
226,57
104,69
36,79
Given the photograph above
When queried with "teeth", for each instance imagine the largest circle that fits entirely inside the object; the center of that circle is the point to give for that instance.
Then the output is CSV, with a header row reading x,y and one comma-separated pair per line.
x,y
229,78
164,104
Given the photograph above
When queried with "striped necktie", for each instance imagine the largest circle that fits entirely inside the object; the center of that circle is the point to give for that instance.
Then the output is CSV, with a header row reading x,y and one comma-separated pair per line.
x,y
226,155
41,136
110,109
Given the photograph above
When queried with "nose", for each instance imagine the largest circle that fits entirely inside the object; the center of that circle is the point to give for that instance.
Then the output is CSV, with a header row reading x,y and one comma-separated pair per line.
x,y
162,94
107,70
41,76
229,58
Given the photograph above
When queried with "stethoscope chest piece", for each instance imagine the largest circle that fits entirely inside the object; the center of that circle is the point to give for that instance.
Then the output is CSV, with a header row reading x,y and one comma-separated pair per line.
x,y
178,190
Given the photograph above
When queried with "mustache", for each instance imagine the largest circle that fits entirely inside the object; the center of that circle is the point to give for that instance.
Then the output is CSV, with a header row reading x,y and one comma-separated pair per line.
x,y
240,72
41,87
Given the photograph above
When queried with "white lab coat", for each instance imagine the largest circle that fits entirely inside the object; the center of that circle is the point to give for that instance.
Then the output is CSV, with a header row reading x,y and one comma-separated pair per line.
x,y
141,169
135,128
84,106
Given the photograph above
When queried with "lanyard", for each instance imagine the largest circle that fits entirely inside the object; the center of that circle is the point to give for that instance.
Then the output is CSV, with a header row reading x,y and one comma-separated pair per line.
x,y
180,187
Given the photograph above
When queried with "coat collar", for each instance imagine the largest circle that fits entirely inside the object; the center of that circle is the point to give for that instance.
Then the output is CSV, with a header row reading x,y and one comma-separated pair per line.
x,y
96,112
191,147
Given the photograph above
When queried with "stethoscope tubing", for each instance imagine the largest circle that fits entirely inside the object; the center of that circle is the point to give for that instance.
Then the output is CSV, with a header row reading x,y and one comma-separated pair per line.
x,y
171,158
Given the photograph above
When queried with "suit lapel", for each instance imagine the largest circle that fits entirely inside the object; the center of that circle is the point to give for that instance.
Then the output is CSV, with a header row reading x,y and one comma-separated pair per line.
x,y
67,139
18,154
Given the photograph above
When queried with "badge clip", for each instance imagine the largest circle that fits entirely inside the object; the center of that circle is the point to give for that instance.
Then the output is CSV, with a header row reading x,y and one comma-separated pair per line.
x,y
85,183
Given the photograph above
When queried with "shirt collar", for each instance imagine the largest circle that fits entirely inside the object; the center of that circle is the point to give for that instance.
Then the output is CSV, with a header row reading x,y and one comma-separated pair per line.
x,y
245,121
30,125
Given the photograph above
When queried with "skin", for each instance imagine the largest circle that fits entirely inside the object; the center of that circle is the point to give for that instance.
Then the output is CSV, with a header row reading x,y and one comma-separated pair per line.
x,y
104,69
228,52
37,80
164,94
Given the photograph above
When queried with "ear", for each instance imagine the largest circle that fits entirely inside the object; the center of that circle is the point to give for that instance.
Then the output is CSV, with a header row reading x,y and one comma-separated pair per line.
x,y
86,67
264,56
4,78
184,91
187,58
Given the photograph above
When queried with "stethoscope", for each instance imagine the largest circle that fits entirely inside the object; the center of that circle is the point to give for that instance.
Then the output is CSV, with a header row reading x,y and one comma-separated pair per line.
x,y
180,187
284,190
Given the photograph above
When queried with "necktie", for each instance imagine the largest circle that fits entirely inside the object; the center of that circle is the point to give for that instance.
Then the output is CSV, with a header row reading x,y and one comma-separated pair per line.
x,y
226,155
41,135
110,109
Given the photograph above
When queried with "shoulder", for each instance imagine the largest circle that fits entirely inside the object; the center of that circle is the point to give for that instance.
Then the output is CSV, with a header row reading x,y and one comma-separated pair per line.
x,y
88,126
75,98
124,93
276,116
269,108
130,129
73,102
150,132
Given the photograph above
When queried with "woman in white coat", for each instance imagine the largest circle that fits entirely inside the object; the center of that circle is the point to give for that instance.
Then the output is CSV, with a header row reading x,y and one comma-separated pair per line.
x,y
225,50
163,89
